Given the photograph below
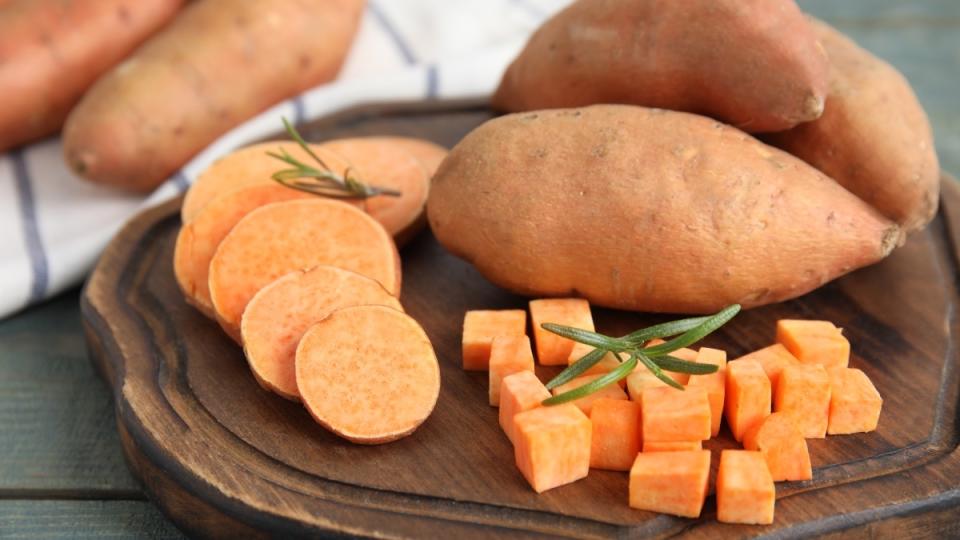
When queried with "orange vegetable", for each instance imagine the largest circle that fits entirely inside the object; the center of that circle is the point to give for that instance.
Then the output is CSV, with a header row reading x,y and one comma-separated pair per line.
x,y
672,446
747,396
552,445
479,329
745,490
606,364
689,355
553,350
772,359
714,384
368,373
642,379
518,393
508,355
675,415
803,392
854,402
782,444
615,442
198,240
279,314
585,403
814,342
671,483
279,238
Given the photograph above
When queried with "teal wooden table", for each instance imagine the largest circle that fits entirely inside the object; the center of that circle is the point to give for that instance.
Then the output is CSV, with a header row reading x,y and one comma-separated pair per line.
x,y
62,474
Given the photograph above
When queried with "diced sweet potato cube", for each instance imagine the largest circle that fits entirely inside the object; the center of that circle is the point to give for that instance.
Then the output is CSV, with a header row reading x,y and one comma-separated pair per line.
x,y
670,482
606,364
641,379
689,355
612,391
508,355
518,393
803,392
675,415
747,399
714,383
553,350
854,402
772,359
479,329
779,439
616,434
745,490
814,342
672,446
552,445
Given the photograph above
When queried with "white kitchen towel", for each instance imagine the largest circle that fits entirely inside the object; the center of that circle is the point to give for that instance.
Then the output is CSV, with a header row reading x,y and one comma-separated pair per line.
x,y
54,225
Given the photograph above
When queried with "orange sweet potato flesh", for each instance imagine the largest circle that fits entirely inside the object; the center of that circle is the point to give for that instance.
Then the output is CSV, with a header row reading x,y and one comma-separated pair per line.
x,y
772,359
53,51
278,315
675,415
209,70
874,137
803,392
714,384
747,398
745,490
508,355
611,391
282,237
615,442
671,446
751,63
854,402
198,240
671,483
519,392
481,326
561,199
814,342
554,350
779,439
368,374
552,446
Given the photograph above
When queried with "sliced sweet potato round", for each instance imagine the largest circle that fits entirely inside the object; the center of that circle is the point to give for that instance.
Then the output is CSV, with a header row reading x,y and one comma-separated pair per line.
x,y
278,315
368,374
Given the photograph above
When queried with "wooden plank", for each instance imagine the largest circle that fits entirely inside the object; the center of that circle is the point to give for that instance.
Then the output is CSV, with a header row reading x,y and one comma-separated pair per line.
x,y
84,519
56,414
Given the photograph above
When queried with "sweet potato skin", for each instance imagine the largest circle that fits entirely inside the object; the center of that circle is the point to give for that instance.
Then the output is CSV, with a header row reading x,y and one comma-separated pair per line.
x,y
54,50
751,63
570,202
874,137
218,64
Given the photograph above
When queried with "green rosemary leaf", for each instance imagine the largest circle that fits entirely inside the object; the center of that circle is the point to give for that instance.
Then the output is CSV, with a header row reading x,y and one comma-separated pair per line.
x,y
666,329
655,369
610,377
295,135
577,368
671,363
586,337
696,334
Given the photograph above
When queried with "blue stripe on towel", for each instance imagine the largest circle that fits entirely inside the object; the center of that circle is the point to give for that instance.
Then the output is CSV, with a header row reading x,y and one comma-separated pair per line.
x,y
299,110
181,182
31,229
395,35
433,81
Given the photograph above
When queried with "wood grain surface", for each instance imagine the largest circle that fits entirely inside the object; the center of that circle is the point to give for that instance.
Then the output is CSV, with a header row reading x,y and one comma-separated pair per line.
x,y
219,454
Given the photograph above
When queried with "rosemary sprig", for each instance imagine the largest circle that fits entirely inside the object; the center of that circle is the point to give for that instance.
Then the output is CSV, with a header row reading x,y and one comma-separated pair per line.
x,y
321,180
655,358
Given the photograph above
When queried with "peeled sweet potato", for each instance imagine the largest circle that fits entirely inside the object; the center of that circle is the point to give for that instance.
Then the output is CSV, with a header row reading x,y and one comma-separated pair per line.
x,y
647,209
873,138
218,64
53,50
751,63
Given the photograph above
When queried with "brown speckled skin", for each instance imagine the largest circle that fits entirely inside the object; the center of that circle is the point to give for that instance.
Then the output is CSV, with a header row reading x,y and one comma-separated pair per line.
x,y
219,63
51,52
874,137
646,209
754,64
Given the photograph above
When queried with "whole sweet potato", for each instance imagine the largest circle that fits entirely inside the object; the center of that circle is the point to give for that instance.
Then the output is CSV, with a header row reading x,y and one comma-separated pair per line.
x,y
647,209
219,63
873,138
751,63
51,51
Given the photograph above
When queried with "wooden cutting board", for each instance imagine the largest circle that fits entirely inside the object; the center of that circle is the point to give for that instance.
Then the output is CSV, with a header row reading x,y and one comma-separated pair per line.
x,y
224,458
